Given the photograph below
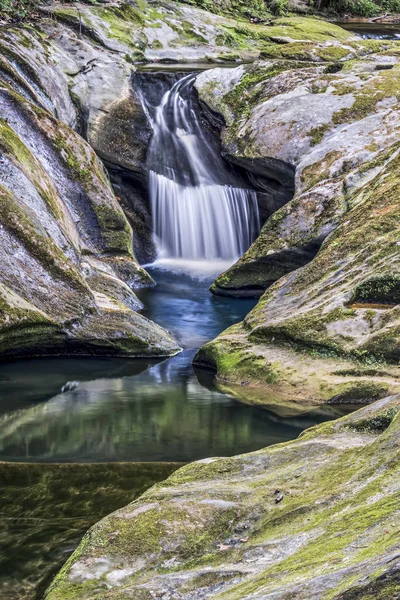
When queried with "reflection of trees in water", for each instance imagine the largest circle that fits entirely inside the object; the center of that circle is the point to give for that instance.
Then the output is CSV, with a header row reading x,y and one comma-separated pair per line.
x,y
47,508
164,413
155,415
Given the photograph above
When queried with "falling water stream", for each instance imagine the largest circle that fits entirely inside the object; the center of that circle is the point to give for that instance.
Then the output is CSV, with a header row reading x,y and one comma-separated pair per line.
x,y
196,214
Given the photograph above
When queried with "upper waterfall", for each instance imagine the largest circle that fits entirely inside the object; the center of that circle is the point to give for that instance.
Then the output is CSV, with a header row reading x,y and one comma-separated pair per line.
x,y
197,213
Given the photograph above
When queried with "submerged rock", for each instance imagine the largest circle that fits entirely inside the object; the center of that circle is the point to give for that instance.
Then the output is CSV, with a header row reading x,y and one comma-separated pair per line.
x,y
261,525
46,508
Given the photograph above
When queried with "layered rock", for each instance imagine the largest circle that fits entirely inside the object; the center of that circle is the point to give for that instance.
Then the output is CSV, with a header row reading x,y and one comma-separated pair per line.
x,y
261,525
332,250
66,250
329,330
293,118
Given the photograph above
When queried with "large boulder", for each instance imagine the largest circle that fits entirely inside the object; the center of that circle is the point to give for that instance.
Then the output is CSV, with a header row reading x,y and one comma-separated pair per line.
x,y
327,326
330,329
68,271
306,127
262,526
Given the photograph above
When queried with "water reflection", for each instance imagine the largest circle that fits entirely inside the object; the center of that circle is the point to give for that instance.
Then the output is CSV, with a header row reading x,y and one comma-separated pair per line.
x,y
139,410
373,31
162,414
183,304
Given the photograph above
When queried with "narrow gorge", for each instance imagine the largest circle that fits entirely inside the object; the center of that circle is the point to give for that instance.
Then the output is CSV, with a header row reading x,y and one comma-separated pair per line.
x,y
199,301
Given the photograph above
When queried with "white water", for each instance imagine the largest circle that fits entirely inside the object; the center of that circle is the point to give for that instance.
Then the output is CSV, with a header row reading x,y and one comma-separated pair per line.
x,y
195,216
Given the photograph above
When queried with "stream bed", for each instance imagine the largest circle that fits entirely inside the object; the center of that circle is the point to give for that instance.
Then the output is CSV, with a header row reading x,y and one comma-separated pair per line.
x,y
73,457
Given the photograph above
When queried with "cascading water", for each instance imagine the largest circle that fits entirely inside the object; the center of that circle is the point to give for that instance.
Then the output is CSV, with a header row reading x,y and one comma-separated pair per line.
x,y
197,214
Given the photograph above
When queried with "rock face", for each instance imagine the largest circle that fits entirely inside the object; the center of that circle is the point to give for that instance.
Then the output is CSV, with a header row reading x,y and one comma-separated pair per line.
x,y
260,525
66,247
331,254
291,112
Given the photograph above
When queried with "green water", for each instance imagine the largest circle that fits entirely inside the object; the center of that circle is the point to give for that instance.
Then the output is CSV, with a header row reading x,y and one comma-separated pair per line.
x,y
46,509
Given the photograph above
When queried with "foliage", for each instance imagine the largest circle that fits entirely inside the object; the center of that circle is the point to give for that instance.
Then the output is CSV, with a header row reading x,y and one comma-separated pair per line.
x,y
16,9
361,8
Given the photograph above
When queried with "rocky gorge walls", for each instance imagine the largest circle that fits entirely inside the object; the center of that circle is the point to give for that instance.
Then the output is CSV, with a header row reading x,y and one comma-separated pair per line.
x,y
315,116
68,248
326,264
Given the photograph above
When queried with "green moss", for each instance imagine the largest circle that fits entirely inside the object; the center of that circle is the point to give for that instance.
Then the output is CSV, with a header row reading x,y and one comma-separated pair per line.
x,y
81,171
17,221
318,171
317,133
383,86
376,423
246,367
360,393
115,229
378,289
13,147
157,45
306,51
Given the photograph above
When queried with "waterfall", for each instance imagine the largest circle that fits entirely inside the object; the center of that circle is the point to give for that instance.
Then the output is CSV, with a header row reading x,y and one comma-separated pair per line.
x,y
197,213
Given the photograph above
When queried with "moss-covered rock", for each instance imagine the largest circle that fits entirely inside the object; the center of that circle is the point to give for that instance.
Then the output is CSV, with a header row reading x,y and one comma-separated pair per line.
x,y
77,60
287,114
331,250
338,311
63,231
258,524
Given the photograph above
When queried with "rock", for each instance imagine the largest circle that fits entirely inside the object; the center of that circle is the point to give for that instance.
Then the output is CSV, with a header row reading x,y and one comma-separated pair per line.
x,y
69,386
328,258
336,533
63,231
332,326
326,127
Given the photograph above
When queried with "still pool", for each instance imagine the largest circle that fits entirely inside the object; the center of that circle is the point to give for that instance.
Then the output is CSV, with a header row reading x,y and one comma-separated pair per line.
x,y
71,458
139,410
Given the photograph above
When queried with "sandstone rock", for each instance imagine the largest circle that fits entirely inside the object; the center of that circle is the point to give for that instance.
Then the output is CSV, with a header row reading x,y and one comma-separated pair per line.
x,y
326,127
62,232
